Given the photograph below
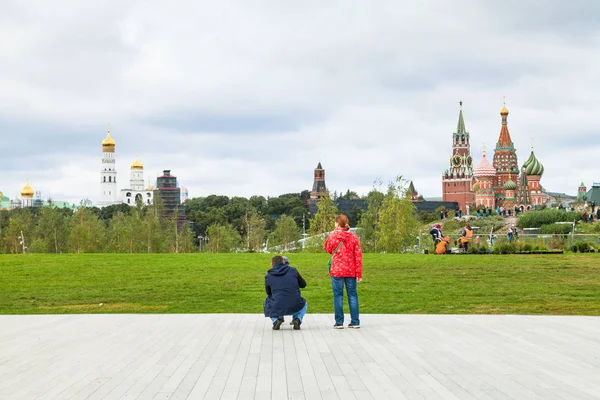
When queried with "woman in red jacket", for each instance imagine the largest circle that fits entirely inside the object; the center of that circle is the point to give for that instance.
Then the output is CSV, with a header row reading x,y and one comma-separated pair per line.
x,y
346,269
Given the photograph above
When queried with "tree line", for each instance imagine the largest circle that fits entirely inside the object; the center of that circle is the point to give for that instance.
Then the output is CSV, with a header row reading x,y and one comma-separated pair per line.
x,y
214,223
113,229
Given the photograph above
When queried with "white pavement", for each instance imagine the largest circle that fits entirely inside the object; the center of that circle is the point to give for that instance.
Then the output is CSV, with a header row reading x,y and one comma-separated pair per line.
x,y
238,356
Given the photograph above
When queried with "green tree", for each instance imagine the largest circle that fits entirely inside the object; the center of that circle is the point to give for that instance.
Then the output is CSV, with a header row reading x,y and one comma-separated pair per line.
x,y
20,222
259,203
87,232
397,227
222,238
322,223
186,239
151,228
286,233
120,234
52,231
324,219
255,232
369,221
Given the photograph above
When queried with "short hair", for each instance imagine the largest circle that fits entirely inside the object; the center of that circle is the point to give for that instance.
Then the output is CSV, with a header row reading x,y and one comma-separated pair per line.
x,y
276,260
342,221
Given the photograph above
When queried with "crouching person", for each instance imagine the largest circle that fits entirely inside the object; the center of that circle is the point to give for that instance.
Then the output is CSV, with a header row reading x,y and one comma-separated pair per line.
x,y
282,284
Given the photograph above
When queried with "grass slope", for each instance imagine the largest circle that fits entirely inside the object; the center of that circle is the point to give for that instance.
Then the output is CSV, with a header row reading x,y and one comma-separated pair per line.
x,y
233,283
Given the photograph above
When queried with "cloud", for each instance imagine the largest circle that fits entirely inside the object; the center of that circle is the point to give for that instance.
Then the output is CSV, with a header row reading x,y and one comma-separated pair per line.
x,y
244,98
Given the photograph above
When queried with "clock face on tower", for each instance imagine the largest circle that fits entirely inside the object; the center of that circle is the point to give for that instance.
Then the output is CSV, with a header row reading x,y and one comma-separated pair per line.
x,y
469,161
456,160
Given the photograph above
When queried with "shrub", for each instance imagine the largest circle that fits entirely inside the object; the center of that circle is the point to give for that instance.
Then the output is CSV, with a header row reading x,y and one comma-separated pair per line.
x,y
428,217
536,219
542,247
526,247
583,247
556,243
504,246
561,229
591,228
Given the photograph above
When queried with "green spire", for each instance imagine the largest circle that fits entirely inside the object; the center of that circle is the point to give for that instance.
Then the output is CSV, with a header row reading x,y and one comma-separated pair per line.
x,y
460,127
319,166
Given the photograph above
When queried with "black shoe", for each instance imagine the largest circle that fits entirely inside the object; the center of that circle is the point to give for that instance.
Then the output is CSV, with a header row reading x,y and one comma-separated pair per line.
x,y
352,326
277,324
296,322
338,326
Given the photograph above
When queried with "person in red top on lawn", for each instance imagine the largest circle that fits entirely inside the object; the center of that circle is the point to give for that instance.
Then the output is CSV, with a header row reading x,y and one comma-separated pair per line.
x,y
346,269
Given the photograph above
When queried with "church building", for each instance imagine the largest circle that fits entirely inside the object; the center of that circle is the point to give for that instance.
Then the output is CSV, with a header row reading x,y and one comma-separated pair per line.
x,y
136,192
503,184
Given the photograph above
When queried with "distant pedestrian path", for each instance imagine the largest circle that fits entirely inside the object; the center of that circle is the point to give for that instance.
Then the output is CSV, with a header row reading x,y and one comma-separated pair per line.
x,y
239,356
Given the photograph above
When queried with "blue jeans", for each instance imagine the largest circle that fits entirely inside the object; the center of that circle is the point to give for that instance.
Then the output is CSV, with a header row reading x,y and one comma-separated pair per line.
x,y
337,285
300,314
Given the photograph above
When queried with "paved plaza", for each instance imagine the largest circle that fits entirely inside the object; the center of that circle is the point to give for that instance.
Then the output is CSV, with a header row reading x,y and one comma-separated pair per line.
x,y
239,356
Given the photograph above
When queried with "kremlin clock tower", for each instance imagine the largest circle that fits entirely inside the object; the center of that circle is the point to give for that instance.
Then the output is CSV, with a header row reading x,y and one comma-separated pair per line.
x,y
457,182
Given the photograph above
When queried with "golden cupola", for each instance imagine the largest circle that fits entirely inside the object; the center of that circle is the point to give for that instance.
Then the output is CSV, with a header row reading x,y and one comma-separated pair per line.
x,y
27,191
504,110
137,164
108,144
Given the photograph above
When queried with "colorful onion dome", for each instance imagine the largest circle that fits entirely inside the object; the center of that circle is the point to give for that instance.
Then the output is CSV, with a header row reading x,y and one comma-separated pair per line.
x,y
510,184
27,191
484,168
137,164
108,141
533,166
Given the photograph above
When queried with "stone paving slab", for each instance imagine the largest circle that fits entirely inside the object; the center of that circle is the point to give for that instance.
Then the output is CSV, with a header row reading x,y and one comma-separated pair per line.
x,y
239,356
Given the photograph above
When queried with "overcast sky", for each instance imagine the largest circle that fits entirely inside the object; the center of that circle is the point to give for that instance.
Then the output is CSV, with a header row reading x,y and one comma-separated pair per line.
x,y
246,97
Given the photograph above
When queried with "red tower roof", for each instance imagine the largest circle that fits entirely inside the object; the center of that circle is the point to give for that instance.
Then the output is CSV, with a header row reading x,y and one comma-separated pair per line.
x,y
504,140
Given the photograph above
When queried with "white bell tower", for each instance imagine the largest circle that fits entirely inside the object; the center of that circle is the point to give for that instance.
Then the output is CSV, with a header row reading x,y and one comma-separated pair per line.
x,y
136,183
108,172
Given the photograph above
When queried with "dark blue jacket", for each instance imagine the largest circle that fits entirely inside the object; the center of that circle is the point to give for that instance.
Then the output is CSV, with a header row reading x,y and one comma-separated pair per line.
x,y
282,284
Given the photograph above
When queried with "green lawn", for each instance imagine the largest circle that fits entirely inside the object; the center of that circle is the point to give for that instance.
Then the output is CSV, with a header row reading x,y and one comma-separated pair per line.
x,y
233,283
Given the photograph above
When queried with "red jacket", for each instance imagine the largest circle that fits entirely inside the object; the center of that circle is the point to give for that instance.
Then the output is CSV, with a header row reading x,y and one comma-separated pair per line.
x,y
347,261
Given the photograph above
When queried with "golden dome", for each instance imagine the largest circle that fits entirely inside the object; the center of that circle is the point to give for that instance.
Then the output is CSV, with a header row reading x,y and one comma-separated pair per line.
x,y
27,191
137,164
504,110
149,187
108,141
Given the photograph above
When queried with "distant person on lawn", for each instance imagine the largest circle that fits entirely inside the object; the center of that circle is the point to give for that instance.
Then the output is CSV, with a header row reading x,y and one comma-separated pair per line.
x,y
436,233
282,284
346,270
466,237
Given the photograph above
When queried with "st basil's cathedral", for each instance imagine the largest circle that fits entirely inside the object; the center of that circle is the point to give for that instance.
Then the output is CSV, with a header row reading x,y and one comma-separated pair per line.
x,y
497,184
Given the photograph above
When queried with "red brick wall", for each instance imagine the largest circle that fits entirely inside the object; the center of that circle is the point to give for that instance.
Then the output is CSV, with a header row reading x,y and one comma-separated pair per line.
x,y
459,192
